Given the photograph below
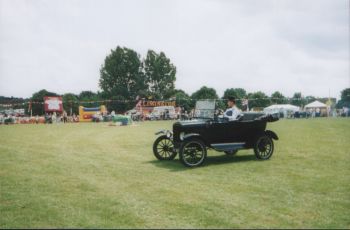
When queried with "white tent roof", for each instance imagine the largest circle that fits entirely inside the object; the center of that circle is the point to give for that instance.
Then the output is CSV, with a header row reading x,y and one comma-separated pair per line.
x,y
316,104
282,107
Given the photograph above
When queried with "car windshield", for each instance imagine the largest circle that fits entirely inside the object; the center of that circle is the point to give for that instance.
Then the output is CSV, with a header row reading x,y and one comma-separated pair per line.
x,y
205,109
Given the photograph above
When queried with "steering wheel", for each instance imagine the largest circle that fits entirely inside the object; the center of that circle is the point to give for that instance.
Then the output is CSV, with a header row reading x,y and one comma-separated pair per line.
x,y
240,117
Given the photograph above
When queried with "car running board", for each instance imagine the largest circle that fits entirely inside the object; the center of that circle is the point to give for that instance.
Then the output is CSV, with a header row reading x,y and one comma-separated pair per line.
x,y
228,146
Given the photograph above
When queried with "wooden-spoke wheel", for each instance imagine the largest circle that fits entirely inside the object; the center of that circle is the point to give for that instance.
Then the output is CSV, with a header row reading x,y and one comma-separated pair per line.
x,y
193,152
163,148
263,147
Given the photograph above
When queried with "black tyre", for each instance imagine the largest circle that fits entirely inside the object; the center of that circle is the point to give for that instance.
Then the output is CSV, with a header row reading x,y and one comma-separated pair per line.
x,y
231,153
193,152
163,148
263,148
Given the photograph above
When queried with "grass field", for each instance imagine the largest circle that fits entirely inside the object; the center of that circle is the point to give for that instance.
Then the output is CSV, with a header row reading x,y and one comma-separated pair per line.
x,y
95,175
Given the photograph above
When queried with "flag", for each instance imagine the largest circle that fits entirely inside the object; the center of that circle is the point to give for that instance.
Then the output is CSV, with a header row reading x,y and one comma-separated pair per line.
x,y
29,106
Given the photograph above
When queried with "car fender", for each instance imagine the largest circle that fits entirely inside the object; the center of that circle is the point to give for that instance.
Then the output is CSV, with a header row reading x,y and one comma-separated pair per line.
x,y
163,131
168,133
271,134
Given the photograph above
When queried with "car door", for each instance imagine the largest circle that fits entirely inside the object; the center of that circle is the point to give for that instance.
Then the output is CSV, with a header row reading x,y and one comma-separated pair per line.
x,y
241,131
233,131
216,131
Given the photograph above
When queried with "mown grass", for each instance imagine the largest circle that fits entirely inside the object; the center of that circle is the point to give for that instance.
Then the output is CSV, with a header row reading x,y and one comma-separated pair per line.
x,y
94,175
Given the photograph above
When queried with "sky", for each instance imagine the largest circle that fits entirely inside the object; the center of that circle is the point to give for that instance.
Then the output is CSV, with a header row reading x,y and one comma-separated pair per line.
x,y
282,45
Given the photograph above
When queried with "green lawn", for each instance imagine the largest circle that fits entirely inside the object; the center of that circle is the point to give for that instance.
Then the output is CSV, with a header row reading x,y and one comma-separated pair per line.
x,y
94,175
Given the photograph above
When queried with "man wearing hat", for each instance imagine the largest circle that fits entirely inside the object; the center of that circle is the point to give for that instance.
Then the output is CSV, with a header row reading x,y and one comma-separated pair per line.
x,y
232,111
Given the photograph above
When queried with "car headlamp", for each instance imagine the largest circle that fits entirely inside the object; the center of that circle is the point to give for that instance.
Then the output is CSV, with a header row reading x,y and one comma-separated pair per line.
x,y
182,135
168,134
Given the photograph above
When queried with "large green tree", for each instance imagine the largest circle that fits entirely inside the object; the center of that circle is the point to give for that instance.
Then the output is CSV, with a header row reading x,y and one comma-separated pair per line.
x,y
205,93
14,102
90,99
344,98
298,100
37,100
278,98
183,99
121,74
70,103
160,75
258,99
238,93
87,95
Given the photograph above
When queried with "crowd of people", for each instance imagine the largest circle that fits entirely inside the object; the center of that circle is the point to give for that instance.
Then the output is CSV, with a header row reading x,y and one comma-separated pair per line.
x,y
54,117
48,118
313,113
177,114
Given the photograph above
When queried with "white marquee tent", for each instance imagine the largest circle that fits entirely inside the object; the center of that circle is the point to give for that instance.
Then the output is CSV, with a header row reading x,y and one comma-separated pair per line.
x,y
320,108
282,108
315,104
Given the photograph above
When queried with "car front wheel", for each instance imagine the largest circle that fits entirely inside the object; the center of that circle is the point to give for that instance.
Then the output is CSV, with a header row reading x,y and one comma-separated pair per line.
x,y
163,148
193,152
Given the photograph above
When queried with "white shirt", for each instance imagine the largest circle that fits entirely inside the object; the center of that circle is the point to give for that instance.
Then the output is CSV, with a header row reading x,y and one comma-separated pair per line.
x,y
232,113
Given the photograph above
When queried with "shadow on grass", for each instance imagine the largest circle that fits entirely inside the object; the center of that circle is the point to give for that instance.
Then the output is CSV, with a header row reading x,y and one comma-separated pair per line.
x,y
176,165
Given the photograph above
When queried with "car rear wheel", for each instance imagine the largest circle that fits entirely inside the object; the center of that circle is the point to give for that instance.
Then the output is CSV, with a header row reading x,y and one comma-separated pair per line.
x,y
193,152
263,147
231,153
163,148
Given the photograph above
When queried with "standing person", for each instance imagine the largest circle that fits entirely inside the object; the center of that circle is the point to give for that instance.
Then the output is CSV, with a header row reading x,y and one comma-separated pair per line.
x,y
58,118
65,117
318,112
191,113
183,112
232,111
53,118
46,118
75,118
167,114
178,113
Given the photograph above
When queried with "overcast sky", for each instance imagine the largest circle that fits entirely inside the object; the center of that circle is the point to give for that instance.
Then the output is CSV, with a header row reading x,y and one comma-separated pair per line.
x,y
285,45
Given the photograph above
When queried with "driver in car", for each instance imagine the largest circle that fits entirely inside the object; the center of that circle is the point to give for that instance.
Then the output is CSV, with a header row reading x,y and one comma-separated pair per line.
x,y
232,112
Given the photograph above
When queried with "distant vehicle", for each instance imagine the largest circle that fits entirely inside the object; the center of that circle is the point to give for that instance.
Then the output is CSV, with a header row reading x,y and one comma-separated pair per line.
x,y
134,114
162,112
191,139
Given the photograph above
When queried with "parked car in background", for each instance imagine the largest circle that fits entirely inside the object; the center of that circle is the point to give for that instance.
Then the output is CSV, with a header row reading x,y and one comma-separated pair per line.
x,y
163,113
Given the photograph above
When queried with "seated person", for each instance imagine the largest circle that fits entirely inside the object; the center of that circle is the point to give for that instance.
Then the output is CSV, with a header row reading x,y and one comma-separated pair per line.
x,y
232,111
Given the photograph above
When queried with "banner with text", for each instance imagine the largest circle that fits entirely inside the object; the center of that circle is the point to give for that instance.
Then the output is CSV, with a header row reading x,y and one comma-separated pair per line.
x,y
53,104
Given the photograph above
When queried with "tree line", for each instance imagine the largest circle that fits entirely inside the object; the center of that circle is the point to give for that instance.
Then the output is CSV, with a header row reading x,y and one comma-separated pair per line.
x,y
72,101
125,76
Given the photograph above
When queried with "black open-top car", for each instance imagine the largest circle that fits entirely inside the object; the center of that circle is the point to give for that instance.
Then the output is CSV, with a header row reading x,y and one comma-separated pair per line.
x,y
192,138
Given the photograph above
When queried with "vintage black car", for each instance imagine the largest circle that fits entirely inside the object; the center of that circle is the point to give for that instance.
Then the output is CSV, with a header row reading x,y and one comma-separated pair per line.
x,y
192,138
